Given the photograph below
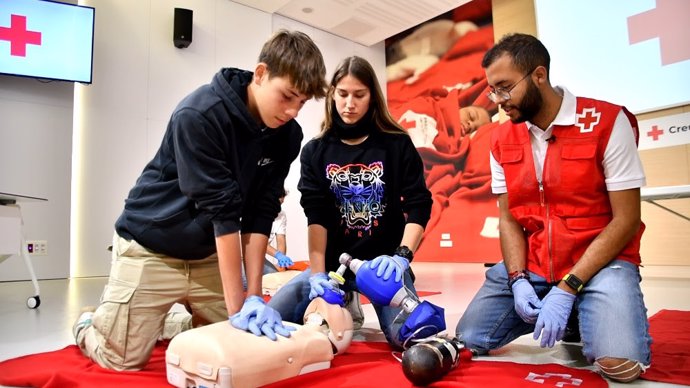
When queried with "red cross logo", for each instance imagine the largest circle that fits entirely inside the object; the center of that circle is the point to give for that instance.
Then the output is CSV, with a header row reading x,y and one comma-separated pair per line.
x,y
655,133
668,22
19,36
588,119
557,379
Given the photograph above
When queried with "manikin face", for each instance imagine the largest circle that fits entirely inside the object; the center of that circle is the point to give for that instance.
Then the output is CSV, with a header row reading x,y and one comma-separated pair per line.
x,y
473,117
276,100
351,99
525,98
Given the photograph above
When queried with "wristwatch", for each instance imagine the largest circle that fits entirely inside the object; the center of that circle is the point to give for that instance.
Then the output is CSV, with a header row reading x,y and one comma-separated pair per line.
x,y
573,282
404,251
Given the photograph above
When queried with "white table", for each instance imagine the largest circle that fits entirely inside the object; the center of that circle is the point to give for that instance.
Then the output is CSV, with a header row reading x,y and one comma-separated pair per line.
x,y
12,238
652,194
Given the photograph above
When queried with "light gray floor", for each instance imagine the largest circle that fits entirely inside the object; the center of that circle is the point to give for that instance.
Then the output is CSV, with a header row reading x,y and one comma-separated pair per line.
x,y
25,331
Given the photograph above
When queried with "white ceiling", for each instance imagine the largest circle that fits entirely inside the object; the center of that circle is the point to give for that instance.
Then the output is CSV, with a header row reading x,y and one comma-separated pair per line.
x,y
363,21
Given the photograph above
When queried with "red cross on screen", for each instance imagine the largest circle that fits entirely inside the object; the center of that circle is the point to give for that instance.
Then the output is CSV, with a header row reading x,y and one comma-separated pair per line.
x,y
19,36
668,22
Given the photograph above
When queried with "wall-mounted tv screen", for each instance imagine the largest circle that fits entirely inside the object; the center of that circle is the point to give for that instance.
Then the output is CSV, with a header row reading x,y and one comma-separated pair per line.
x,y
46,39
633,53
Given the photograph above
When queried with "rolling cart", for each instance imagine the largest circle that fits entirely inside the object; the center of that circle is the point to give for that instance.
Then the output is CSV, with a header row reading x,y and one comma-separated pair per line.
x,y
12,238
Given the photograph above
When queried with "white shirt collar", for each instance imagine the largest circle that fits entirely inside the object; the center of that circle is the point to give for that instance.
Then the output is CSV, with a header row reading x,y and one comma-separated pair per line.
x,y
566,113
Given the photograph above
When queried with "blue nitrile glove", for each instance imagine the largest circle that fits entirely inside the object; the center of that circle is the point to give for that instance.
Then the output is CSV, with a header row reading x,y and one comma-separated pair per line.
x,y
283,261
319,284
260,319
553,318
527,303
387,265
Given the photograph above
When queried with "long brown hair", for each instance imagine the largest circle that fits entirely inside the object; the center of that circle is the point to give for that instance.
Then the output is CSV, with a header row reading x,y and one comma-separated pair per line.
x,y
361,69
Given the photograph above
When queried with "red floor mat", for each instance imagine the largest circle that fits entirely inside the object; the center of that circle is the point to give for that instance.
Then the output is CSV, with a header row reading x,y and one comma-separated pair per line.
x,y
365,364
670,331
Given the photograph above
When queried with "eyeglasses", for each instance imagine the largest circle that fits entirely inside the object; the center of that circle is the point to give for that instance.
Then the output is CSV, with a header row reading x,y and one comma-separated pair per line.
x,y
503,94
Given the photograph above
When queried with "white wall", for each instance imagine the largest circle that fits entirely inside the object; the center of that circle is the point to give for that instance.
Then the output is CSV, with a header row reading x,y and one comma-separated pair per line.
x,y
139,77
35,157
92,141
334,49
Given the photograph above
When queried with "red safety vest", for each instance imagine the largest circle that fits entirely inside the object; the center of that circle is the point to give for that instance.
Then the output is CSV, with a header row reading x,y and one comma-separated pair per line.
x,y
565,212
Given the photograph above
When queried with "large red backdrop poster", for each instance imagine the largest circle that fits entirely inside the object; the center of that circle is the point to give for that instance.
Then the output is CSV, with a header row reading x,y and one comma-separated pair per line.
x,y
436,90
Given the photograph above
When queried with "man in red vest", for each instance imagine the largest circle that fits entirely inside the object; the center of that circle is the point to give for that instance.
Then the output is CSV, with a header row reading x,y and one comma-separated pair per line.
x,y
568,175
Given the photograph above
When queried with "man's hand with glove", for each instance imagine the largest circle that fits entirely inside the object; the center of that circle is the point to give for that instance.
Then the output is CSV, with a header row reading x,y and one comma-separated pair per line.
x,y
387,265
260,319
556,308
319,284
527,303
283,260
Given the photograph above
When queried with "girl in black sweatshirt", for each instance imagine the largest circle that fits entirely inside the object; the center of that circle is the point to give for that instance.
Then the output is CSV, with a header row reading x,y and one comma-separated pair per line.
x,y
363,192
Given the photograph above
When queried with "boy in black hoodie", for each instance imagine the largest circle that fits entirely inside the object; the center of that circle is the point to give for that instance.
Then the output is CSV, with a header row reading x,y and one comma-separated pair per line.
x,y
206,200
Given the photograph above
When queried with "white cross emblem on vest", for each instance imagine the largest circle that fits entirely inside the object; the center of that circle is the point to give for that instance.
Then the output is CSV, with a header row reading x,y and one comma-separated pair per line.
x,y
588,119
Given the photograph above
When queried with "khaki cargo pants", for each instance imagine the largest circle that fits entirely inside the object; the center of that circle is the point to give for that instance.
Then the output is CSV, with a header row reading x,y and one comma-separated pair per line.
x,y
141,289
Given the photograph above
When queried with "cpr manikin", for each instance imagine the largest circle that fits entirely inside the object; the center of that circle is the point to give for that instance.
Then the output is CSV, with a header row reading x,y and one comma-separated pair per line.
x,y
219,355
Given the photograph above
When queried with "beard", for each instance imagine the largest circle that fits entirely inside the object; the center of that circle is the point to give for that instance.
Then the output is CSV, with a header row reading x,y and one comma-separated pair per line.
x,y
530,105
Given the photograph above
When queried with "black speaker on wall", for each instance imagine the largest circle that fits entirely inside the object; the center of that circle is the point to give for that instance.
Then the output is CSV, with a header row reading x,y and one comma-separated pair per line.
x,y
182,29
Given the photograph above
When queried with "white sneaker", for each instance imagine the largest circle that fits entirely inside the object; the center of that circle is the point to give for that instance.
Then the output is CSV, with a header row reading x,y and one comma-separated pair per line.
x,y
82,322
175,323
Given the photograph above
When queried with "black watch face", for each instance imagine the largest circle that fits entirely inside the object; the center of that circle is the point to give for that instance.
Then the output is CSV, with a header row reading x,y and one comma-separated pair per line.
x,y
404,252
574,282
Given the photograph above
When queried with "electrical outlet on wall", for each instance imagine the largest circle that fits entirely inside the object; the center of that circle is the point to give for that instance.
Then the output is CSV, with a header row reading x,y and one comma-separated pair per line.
x,y
37,247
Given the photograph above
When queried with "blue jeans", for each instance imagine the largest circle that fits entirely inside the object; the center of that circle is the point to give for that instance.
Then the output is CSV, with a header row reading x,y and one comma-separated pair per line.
x,y
612,315
268,268
292,299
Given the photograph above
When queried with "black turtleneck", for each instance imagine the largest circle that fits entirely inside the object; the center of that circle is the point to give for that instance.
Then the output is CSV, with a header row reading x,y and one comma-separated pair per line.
x,y
345,131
